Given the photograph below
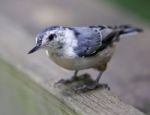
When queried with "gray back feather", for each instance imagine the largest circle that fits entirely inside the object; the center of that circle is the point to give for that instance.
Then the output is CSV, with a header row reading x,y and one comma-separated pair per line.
x,y
90,39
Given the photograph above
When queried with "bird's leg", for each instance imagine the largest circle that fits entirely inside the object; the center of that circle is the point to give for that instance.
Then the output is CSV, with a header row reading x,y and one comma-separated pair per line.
x,y
93,84
74,77
70,80
102,85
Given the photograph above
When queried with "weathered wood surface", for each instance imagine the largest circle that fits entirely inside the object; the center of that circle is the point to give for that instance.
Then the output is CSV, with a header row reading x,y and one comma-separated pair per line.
x,y
19,95
16,42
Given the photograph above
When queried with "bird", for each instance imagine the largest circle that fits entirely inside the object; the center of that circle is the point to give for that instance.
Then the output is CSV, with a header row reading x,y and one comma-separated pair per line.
x,y
82,47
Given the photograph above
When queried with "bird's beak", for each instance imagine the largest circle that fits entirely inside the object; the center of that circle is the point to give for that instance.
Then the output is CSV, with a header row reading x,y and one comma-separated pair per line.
x,y
34,49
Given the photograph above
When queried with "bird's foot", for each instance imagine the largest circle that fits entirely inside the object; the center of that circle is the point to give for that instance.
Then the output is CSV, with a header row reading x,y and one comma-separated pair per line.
x,y
73,79
67,81
91,86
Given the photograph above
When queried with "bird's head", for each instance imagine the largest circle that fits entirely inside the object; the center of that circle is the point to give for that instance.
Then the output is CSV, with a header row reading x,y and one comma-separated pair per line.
x,y
50,38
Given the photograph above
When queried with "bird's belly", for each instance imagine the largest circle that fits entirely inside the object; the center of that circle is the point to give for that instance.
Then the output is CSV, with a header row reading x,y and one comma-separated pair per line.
x,y
80,63
72,63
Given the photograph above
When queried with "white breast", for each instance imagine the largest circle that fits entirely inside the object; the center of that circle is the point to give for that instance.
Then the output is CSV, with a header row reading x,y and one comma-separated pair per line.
x,y
80,63
70,42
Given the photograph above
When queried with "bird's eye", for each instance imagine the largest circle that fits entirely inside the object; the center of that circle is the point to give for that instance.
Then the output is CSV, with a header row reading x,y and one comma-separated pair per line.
x,y
51,37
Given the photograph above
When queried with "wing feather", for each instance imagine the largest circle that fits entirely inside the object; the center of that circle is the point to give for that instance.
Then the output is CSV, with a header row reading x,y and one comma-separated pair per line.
x,y
92,40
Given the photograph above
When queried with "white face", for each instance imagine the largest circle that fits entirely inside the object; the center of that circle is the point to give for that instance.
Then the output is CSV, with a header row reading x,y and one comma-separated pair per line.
x,y
50,39
60,40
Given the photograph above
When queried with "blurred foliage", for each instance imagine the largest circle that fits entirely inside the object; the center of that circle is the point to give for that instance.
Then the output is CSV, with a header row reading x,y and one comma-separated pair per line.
x,y
138,7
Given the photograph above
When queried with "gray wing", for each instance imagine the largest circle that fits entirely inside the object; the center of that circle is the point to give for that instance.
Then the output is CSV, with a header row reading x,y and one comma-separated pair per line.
x,y
91,40
94,39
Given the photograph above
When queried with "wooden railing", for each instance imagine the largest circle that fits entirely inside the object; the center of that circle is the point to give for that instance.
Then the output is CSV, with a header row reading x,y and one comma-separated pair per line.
x,y
14,47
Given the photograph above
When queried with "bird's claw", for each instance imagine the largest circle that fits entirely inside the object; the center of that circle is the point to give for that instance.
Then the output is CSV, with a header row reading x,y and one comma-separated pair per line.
x,y
66,81
72,79
91,86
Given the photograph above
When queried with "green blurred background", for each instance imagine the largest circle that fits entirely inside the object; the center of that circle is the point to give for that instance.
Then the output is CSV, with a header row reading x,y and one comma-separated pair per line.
x,y
135,7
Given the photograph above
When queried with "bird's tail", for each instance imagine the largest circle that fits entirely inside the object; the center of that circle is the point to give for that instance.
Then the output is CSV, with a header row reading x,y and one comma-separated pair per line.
x,y
126,30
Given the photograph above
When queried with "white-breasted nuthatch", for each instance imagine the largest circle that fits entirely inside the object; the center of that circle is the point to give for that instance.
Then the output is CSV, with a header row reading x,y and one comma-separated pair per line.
x,y
78,48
